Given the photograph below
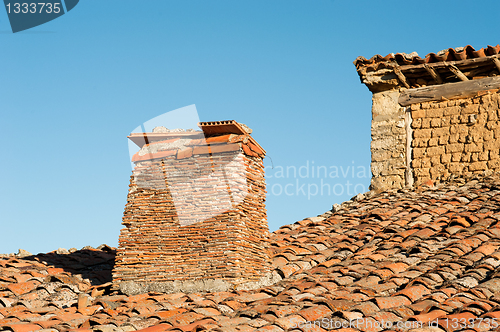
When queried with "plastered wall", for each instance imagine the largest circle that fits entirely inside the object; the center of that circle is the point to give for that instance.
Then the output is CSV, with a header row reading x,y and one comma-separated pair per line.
x,y
388,145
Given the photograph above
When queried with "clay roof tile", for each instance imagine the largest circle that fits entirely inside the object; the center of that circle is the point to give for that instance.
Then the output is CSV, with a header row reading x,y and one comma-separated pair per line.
x,y
371,260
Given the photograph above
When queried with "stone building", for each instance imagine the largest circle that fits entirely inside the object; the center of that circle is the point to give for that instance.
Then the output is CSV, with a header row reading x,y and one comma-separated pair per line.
x,y
195,218
433,117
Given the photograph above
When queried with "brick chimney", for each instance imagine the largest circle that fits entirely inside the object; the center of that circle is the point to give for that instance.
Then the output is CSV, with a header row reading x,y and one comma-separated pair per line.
x,y
195,218
433,117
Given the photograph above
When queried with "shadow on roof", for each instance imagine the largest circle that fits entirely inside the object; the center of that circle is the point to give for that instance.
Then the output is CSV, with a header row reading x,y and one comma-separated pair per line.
x,y
93,264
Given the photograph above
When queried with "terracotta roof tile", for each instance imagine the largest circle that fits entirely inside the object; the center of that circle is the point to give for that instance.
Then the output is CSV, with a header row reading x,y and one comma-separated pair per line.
x,y
315,312
24,327
251,297
157,328
270,328
391,302
416,68
370,260
23,287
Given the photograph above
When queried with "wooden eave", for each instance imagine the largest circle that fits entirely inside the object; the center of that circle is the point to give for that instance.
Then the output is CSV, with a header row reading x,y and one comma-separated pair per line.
x,y
432,73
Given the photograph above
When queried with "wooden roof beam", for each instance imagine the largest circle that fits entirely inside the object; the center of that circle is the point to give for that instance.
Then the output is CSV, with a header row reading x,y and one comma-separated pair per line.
x,y
455,90
454,69
435,75
401,77
496,62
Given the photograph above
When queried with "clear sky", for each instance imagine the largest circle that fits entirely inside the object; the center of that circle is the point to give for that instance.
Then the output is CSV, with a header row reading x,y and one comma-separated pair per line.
x,y
71,91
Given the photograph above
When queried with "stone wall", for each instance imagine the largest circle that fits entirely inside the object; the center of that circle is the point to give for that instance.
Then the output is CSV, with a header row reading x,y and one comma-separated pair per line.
x,y
458,137
388,144
433,116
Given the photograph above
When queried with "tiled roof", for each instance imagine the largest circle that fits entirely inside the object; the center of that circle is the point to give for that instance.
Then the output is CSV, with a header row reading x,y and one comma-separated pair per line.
x,y
452,54
411,71
407,255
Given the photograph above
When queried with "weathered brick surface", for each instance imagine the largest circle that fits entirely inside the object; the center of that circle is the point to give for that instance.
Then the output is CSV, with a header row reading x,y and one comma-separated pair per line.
x,y
167,235
466,140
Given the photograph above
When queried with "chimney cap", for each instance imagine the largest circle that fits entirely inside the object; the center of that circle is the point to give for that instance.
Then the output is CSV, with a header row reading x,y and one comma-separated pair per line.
x,y
224,127
208,129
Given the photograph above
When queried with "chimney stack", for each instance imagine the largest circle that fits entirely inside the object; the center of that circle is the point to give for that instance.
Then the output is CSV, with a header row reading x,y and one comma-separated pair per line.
x,y
195,219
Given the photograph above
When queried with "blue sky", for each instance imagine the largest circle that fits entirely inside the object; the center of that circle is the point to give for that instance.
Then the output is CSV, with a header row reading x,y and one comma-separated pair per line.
x,y
71,91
